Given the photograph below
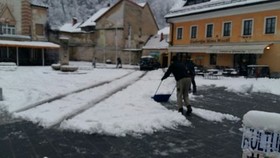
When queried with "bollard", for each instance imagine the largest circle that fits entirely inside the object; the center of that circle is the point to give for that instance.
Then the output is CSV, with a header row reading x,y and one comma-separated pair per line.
x,y
1,96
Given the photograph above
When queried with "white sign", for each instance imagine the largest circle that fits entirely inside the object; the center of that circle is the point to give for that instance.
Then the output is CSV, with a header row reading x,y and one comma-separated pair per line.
x,y
260,141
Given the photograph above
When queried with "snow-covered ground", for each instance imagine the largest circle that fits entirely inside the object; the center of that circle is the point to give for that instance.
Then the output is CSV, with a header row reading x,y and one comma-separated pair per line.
x,y
106,100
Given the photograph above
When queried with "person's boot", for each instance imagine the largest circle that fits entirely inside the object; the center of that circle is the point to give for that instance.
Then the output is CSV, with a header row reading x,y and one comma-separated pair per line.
x,y
181,111
194,90
189,111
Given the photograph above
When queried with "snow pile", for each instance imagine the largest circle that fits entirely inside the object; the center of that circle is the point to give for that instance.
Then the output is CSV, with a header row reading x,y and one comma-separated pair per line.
x,y
261,120
8,66
214,116
244,85
261,134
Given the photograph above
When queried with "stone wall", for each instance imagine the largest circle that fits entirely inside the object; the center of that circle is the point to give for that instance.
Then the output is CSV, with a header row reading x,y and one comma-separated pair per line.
x,y
39,19
26,18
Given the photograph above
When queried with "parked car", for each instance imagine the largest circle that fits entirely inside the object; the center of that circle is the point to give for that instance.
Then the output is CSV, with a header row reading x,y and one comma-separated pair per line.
x,y
149,63
108,61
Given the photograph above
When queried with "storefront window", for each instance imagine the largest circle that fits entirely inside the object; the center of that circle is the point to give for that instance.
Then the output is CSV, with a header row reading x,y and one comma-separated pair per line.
x,y
7,54
213,59
270,25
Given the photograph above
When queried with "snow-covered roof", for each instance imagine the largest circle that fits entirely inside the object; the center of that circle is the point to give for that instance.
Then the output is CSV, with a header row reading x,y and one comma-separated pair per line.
x,y
179,9
23,37
164,30
156,42
69,27
142,4
38,3
94,17
92,20
28,44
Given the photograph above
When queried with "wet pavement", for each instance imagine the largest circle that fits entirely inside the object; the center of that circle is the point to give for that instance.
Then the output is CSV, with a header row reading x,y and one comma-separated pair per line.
x,y
21,139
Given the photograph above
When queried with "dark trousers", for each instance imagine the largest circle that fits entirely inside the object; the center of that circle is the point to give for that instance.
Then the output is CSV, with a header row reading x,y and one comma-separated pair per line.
x,y
193,84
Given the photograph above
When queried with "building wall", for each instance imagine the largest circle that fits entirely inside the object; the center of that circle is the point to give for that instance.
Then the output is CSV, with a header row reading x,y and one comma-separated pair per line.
x,y
109,35
269,57
81,53
81,45
19,14
16,10
25,17
225,60
236,34
39,19
123,27
141,22
26,22
149,25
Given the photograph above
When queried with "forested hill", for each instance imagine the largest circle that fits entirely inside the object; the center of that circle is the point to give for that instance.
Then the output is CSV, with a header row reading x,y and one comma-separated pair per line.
x,y
62,11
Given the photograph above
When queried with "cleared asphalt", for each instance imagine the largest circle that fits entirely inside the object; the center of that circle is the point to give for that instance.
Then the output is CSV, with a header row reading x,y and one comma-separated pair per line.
x,y
21,139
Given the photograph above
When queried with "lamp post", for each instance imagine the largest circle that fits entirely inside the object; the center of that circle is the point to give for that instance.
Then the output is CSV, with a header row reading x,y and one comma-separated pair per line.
x,y
1,95
129,43
116,44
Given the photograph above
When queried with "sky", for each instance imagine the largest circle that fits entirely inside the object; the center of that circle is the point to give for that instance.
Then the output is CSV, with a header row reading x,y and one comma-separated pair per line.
x,y
109,101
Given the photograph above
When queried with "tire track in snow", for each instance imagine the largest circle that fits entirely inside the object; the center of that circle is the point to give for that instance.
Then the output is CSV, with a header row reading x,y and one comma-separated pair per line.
x,y
48,100
51,114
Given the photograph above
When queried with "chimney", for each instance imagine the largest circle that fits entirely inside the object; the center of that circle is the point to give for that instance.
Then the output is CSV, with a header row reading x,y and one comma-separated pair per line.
x,y
74,21
161,37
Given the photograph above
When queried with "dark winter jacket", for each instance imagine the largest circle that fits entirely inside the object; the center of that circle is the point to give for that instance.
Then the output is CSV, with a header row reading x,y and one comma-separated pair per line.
x,y
178,70
190,65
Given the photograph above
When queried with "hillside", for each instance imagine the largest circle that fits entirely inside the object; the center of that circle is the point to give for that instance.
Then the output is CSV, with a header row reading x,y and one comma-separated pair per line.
x,y
62,11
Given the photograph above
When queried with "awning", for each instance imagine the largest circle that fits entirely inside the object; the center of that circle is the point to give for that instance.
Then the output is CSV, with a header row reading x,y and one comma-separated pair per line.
x,y
132,50
189,49
28,44
238,49
241,48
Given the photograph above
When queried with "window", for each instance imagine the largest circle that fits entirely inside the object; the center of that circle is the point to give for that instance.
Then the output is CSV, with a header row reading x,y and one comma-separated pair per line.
x,y
192,2
179,33
209,30
270,24
227,29
193,32
8,29
39,29
247,27
213,59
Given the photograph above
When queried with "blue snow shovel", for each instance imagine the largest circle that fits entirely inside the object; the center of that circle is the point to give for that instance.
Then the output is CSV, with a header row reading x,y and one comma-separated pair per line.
x,y
162,97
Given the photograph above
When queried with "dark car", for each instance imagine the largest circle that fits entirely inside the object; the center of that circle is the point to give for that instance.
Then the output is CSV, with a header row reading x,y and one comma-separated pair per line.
x,y
149,63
